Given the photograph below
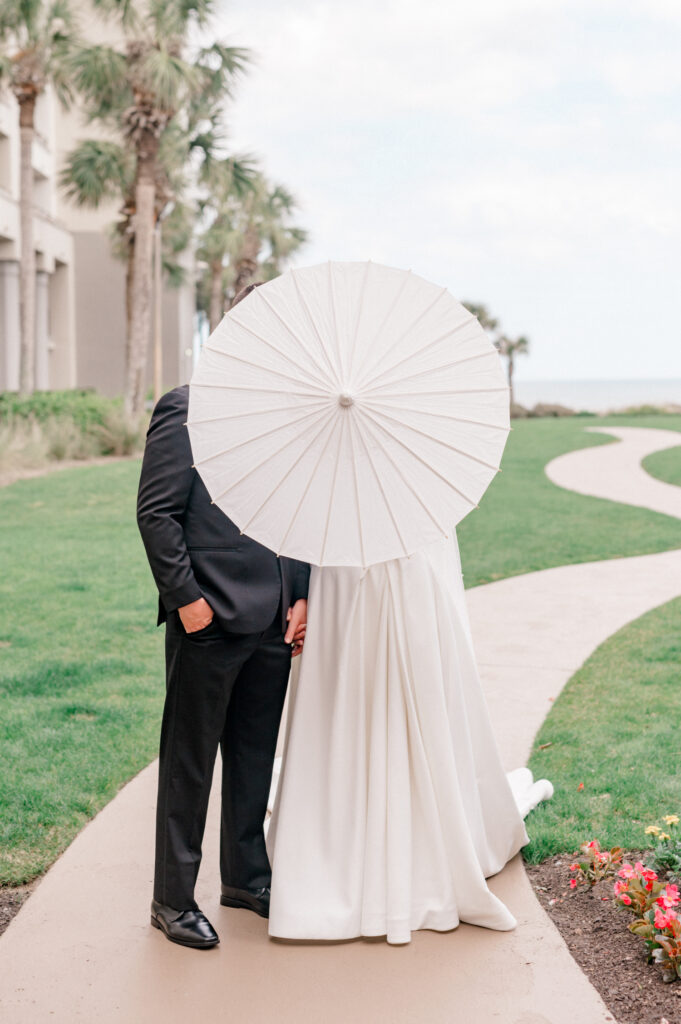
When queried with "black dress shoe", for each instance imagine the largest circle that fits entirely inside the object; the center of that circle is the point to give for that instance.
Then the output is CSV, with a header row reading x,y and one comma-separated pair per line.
x,y
250,899
187,927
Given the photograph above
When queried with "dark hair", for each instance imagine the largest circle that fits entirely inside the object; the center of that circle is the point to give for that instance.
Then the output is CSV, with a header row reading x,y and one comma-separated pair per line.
x,y
244,292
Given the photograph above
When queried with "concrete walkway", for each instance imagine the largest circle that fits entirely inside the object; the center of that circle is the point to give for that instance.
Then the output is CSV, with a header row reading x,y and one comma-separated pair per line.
x,y
614,471
82,949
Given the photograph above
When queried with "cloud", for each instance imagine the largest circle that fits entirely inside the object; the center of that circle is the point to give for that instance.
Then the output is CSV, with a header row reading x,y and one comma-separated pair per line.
x,y
489,145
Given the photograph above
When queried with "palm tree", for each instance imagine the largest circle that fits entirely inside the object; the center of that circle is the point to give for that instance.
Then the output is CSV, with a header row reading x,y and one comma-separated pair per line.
x,y
143,91
227,183
508,347
265,222
512,347
37,40
483,315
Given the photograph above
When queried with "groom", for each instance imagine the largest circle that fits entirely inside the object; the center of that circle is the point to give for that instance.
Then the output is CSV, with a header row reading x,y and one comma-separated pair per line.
x,y
234,614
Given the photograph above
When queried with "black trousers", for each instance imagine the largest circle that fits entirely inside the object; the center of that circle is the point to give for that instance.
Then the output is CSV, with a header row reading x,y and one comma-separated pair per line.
x,y
227,689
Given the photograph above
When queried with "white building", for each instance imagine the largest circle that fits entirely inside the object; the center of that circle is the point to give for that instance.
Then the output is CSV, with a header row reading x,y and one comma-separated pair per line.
x,y
56,355
80,314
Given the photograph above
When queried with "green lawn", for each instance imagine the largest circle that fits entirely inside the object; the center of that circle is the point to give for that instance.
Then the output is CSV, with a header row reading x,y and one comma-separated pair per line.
x,y
665,465
81,663
616,728
81,672
526,523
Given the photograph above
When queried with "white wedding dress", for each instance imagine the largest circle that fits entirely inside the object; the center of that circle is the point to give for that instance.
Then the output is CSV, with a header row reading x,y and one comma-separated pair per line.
x,y
392,806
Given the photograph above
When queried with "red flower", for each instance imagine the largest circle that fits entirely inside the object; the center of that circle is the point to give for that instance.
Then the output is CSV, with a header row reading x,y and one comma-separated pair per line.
x,y
574,867
669,897
573,883
625,899
663,920
581,786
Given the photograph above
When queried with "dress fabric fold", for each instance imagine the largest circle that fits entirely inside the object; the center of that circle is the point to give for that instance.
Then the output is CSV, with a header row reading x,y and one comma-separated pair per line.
x,y
392,805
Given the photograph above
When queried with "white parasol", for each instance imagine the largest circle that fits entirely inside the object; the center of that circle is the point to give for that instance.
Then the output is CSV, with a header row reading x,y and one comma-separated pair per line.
x,y
348,413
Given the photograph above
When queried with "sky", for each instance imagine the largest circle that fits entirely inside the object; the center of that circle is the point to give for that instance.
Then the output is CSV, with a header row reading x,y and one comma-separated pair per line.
x,y
524,153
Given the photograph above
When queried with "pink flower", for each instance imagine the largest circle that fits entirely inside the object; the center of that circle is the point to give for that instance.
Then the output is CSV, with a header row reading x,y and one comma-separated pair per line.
x,y
626,899
574,867
626,871
638,866
663,920
669,897
573,883
619,887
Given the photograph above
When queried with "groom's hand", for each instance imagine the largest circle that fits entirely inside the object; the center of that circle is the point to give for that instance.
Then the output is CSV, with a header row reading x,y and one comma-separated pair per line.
x,y
297,624
196,615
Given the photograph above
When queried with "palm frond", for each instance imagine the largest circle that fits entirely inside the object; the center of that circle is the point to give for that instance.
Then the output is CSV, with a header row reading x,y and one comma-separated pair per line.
x,y
220,67
167,77
172,18
125,11
100,74
96,170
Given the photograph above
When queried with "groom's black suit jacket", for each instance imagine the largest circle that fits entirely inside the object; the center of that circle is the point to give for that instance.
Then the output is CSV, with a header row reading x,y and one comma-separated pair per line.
x,y
194,549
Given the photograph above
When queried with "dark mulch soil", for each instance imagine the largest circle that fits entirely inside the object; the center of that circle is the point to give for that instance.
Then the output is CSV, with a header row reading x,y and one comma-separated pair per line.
x,y
11,899
595,931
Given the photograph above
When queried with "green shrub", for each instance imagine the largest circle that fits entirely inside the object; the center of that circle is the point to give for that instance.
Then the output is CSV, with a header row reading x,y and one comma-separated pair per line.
x,y
84,406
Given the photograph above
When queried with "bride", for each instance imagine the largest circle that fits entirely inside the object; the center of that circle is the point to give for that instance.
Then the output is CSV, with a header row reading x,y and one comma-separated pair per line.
x,y
392,805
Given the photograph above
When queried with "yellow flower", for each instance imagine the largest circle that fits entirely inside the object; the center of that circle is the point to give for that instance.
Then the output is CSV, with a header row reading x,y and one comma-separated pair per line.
x,y
653,830
671,819
664,835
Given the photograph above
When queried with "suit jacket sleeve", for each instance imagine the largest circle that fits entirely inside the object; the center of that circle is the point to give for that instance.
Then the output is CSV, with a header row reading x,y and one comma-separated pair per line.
x,y
165,485
301,582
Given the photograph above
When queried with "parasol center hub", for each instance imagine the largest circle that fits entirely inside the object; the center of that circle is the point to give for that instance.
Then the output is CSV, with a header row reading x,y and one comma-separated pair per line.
x,y
346,399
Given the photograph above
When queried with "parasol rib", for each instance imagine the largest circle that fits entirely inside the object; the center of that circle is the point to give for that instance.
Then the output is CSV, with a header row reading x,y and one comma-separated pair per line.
x,y
334,319
409,487
313,324
296,337
431,437
259,366
438,415
360,306
356,482
431,469
426,373
428,345
311,477
259,437
404,333
304,495
383,494
254,334
446,391
333,489
254,387
393,305
251,412
264,461
230,355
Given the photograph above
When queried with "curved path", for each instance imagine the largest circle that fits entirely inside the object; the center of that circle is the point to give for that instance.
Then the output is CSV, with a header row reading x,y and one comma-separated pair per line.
x,y
614,471
82,949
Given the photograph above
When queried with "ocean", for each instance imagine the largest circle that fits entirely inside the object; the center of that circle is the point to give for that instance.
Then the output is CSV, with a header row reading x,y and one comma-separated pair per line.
x,y
598,395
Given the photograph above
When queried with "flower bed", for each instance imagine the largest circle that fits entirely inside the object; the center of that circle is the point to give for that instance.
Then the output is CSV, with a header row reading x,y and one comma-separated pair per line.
x,y
621,920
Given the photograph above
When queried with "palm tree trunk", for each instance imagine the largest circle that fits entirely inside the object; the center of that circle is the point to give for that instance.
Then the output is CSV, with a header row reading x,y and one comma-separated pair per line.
x,y
217,298
247,265
142,280
27,264
129,264
510,378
